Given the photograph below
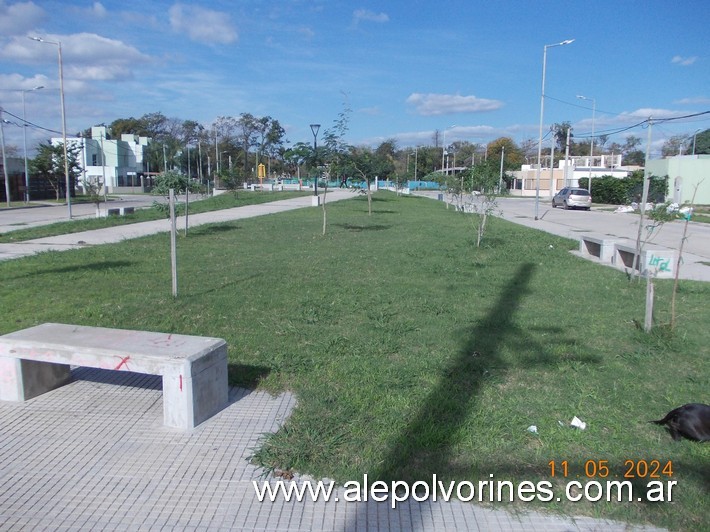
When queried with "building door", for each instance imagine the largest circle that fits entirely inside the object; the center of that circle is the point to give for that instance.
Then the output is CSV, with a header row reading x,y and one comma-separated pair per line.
x,y
678,190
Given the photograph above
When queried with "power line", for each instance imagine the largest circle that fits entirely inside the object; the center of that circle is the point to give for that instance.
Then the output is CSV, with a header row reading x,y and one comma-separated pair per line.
x,y
27,122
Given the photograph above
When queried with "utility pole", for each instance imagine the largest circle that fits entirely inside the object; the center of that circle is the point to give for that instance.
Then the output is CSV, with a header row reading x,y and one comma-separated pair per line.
x,y
500,182
103,164
567,159
4,160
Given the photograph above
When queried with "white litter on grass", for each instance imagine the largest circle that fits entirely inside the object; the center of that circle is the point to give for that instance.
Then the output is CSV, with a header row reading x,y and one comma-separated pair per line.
x,y
532,428
578,423
624,208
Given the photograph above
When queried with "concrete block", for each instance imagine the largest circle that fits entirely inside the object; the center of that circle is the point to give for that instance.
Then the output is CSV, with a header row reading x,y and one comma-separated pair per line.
x,y
21,380
194,368
599,247
315,201
656,262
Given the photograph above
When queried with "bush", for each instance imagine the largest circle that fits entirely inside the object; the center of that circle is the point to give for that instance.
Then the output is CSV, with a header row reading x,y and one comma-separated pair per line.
x,y
614,191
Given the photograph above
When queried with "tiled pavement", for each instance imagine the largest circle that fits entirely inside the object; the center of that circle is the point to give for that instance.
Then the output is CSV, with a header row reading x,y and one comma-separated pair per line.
x,y
94,455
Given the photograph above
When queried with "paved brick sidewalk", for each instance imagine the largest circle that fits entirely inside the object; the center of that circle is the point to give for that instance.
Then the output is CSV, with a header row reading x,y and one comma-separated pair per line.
x,y
94,455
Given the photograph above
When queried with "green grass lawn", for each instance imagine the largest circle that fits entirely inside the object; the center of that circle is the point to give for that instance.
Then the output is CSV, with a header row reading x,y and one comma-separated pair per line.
x,y
412,352
223,201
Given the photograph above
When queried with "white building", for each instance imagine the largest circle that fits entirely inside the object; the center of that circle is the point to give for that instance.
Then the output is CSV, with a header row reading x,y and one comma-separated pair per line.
x,y
120,164
567,173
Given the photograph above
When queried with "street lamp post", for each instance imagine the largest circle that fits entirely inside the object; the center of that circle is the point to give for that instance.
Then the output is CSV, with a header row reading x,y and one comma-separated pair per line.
x,y
24,140
64,120
591,145
314,130
4,159
444,151
542,111
416,148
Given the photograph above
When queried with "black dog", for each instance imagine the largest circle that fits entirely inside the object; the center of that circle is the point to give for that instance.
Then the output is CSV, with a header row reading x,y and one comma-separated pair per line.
x,y
691,421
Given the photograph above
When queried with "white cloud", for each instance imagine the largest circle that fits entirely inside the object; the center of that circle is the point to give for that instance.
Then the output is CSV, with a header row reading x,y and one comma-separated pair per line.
x,y
653,113
19,18
693,101
85,56
17,82
684,61
370,16
202,25
442,104
371,111
98,10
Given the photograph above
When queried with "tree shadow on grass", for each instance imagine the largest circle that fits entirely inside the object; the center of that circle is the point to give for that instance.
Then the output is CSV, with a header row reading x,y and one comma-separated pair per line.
x,y
359,228
374,199
88,267
426,446
211,229
223,286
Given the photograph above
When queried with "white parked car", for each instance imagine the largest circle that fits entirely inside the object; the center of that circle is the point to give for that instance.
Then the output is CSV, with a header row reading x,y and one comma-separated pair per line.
x,y
573,198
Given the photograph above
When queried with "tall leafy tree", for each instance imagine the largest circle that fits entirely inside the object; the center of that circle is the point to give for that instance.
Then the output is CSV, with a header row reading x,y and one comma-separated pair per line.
x,y
133,126
560,133
296,156
48,164
702,142
675,145
248,127
272,140
507,148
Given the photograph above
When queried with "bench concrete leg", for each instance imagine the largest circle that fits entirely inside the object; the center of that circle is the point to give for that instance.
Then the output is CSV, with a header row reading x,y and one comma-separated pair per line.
x,y
21,380
196,393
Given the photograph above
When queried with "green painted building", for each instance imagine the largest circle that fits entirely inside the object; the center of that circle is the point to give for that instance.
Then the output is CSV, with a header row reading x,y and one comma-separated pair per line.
x,y
685,172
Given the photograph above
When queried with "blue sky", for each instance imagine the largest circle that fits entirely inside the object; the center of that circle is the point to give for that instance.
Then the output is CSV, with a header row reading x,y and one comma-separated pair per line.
x,y
405,68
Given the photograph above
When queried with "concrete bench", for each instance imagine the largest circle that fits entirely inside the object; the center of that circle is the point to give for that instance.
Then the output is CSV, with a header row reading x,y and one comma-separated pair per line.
x,y
657,262
194,368
120,211
597,246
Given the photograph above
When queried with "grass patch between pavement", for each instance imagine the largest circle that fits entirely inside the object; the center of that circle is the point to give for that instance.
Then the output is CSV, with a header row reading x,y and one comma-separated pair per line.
x,y
412,352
